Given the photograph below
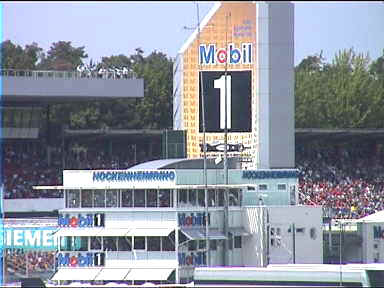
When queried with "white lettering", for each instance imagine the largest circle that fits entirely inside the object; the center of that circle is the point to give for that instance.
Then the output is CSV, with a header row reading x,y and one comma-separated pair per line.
x,y
18,237
32,238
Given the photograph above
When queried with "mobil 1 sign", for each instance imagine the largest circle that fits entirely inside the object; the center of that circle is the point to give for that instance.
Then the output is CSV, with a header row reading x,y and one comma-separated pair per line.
x,y
238,94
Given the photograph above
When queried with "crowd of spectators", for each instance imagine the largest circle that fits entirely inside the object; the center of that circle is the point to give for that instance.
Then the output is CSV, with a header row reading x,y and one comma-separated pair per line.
x,y
34,164
21,263
347,179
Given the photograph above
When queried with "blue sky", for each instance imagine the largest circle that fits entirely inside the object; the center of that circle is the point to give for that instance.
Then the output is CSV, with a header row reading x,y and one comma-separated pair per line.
x,y
112,28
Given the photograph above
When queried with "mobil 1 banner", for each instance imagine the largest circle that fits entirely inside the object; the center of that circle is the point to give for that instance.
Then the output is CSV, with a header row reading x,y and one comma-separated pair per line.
x,y
238,95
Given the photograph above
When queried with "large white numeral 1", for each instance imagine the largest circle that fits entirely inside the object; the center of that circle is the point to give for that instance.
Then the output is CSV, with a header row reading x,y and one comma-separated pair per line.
x,y
220,84
98,217
98,261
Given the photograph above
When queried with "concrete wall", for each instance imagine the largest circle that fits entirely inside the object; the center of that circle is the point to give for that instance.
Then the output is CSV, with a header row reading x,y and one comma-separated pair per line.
x,y
46,89
275,46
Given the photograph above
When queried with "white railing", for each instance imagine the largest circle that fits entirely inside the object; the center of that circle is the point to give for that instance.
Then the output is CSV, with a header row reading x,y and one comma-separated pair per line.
x,y
100,74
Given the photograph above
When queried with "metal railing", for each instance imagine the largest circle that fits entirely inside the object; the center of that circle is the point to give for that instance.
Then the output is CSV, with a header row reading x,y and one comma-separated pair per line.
x,y
106,74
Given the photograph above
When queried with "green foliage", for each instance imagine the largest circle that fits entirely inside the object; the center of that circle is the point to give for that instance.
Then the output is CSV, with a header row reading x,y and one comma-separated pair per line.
x,y
15,57
62,56
346,93
342,94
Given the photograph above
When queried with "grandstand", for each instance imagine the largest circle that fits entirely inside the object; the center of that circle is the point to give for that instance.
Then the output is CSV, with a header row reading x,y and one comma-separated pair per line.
x,y
339,169
33,155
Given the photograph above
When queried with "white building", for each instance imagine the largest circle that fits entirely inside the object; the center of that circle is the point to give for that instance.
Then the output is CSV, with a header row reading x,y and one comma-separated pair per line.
x,y
148,223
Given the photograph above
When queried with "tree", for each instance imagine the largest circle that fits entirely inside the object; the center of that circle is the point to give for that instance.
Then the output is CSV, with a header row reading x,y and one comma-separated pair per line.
x,y
155,110
338,95
377,67
63,56
19,58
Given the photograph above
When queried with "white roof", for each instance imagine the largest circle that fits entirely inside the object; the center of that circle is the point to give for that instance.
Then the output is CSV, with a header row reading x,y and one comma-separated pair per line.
x,y
376,217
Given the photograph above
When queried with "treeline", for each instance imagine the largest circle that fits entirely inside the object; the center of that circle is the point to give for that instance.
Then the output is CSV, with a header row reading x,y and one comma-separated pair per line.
x,y
348,92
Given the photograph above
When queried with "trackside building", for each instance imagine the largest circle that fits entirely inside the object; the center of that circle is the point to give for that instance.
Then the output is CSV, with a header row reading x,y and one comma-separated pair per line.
x,y
148,223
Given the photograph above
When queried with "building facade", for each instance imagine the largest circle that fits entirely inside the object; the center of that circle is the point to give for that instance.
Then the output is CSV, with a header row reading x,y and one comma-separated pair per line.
x,y
241,54
141,225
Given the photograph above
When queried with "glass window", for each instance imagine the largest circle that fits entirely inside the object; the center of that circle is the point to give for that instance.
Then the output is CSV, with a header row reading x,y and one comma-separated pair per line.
x,y
125,243
202,244
112,198
281,187
151,198
183,195
73,198
99,198
139,197
65,243
221,193
79,243
109,243
86,198
168,243
192,245
237,241
201,197
211,198
95,243
164,198
192,197
213,244
139,243
153,243
234,199
230,241
126,198
263,187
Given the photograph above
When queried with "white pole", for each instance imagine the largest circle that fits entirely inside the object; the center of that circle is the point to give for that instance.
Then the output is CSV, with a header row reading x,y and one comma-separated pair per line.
x,y
204,142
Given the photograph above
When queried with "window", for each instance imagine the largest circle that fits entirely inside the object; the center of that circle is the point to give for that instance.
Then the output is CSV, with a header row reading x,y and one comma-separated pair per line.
x,y
211,198
126,198
213,244
165,198
292,194
86,198
230,241
151,198
202,244
221,197
183,195
109,243
153,243
192,245
99,198
234,197
237,242
95,243
281,187
139,243
112,198
124,243
139,197
192,197
167,244
73,198
263,187
201,197
65,243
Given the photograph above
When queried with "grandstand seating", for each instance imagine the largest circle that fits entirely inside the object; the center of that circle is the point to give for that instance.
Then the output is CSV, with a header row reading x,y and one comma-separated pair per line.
x,y
348,178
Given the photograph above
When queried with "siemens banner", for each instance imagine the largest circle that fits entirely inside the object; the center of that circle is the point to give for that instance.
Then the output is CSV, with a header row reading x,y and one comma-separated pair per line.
x,y
30,238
